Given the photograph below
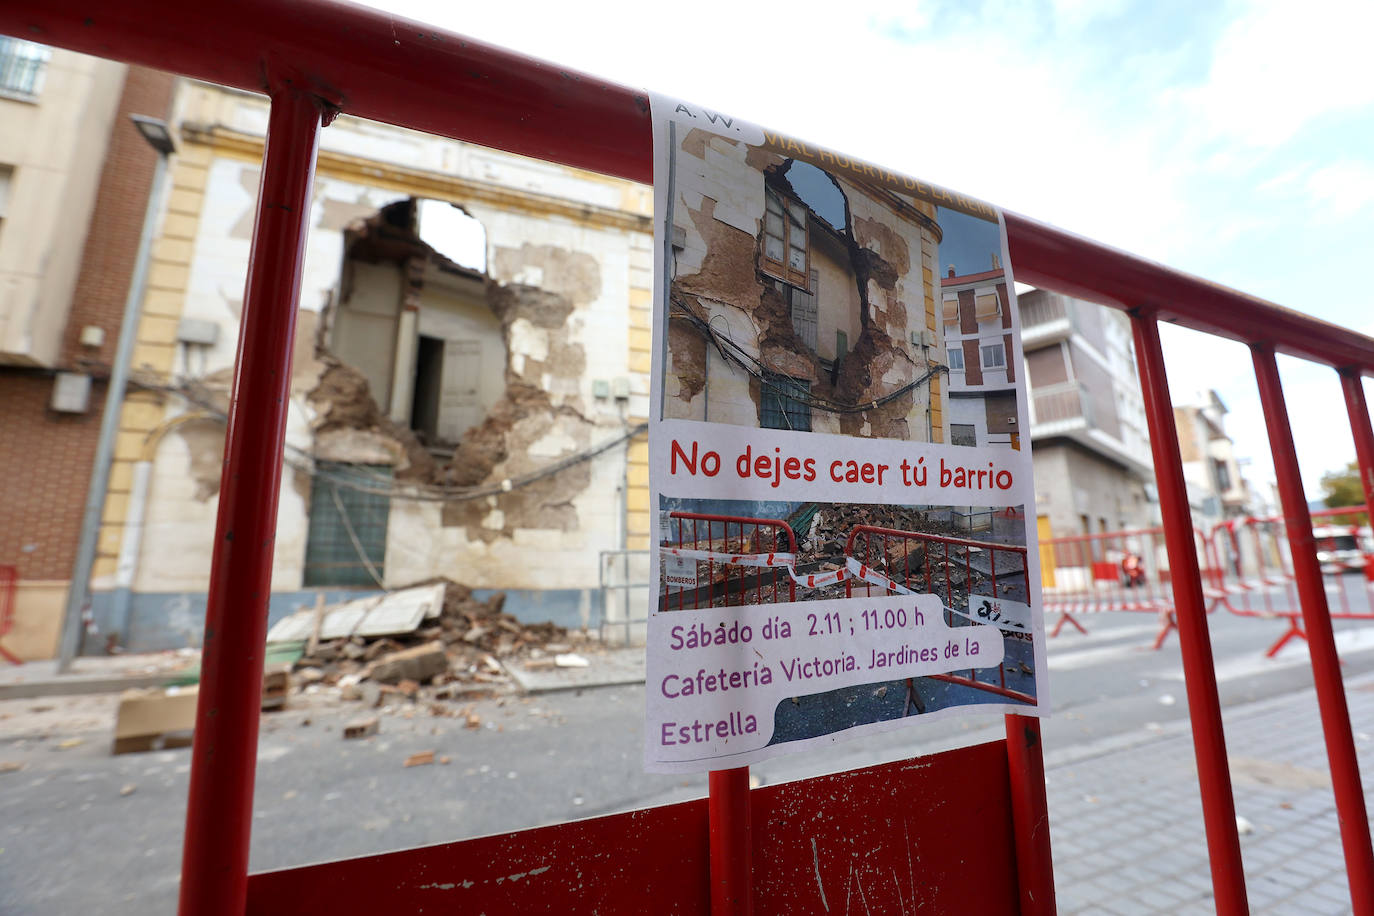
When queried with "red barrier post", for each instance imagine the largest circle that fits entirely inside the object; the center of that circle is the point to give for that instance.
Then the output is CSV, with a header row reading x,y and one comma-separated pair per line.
x,y
1195,644
1321,641
1030,815
214,868
1355,405
732,885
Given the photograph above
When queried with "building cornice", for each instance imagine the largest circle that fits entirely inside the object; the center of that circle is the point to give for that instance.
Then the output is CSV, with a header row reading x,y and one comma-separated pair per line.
x,y
226,141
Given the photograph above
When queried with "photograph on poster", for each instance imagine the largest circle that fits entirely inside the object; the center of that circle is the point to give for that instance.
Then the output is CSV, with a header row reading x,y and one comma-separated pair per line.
x,y
803,298
724,553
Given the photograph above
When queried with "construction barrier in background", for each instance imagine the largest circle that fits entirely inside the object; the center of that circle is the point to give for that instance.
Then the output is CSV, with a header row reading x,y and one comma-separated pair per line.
x,y
9,588
1250,571
1111,571
1246,567
969,577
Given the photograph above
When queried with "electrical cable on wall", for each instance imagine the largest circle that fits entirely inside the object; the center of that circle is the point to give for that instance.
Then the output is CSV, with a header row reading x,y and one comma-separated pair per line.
x,y
732,352
358,479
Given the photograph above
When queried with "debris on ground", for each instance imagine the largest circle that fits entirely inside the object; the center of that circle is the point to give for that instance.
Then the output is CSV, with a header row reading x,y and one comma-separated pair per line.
x,y
361,728
422,758
276,684
421,647
154,719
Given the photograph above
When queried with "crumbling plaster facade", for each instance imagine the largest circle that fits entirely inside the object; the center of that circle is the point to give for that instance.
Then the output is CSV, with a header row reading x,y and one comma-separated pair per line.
x,y
569,271
873,280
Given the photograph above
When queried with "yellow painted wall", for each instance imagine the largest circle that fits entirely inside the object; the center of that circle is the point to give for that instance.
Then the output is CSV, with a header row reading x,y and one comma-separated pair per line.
x,y
156,347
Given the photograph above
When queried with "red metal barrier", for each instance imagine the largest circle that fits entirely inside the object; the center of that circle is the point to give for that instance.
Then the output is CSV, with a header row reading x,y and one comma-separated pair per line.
x,y
375,65
945,567
746,560
1251,571
9,588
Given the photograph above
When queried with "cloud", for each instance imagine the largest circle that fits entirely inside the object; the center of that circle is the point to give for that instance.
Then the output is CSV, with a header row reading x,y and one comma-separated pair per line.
x,y
1342,189
1283,64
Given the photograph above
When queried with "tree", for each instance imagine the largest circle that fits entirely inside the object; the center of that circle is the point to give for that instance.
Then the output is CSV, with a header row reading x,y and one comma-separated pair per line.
x,y
1342,488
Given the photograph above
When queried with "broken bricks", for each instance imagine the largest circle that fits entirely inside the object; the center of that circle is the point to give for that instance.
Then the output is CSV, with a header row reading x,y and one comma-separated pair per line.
x,y
416,664
362,728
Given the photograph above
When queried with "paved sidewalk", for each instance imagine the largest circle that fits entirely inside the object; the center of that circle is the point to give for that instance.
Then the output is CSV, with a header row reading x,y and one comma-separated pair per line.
x,y
88,675
1126,819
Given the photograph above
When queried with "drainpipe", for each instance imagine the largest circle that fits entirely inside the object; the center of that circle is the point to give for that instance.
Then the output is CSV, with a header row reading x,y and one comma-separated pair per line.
x,y
128,550
155,132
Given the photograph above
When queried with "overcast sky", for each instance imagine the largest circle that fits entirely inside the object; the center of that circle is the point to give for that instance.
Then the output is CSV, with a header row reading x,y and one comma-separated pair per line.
x,y
1234,140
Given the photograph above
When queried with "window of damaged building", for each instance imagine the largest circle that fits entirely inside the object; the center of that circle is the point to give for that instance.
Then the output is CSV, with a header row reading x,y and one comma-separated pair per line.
x,y
349,512
805,252
786,403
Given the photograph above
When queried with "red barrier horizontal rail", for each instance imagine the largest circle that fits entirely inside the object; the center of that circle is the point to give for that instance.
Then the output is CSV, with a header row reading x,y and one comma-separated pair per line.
x,y
410,74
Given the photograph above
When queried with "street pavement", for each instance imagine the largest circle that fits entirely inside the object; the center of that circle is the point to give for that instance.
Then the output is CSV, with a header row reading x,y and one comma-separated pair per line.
x,y
84,831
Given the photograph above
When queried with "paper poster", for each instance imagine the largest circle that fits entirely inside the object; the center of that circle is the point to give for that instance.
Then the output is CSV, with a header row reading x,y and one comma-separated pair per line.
x,y
838,466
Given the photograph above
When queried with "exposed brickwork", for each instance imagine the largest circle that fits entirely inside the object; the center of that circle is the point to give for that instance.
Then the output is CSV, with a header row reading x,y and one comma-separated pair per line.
x,y
107,263
45,456
45,467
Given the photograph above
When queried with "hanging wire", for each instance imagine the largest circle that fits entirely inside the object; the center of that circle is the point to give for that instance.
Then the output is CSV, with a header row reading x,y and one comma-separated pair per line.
x,y
732,352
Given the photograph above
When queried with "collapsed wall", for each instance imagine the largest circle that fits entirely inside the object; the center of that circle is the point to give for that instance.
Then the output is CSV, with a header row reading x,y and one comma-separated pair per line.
x,y
512,479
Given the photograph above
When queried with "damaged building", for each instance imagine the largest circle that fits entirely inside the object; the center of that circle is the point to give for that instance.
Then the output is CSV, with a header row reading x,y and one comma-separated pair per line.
x,y
469,381
800,299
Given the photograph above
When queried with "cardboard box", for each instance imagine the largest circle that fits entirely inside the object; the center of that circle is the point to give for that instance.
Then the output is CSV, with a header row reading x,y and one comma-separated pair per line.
x,y
154,719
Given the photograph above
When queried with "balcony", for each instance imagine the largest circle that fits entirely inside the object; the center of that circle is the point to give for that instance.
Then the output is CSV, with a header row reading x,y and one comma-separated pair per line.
x,y
1059,408
1045,318
1066,411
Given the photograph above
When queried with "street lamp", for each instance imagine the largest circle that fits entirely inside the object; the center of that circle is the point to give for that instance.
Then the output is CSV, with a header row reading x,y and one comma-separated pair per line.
x,y
155,131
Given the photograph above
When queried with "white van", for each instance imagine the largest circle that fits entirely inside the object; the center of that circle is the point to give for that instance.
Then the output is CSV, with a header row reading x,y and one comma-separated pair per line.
x,y
1339,548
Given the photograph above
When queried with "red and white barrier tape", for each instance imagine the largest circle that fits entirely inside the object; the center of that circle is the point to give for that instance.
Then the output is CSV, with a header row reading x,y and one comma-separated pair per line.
x,y
853,569
870,575
1102,607
785,561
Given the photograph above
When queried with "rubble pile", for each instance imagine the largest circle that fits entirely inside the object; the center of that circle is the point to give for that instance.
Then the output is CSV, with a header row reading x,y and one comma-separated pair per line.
x,y
458,654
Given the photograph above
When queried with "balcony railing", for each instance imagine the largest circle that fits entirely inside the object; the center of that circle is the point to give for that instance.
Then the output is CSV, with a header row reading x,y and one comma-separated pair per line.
x,y
21,67
1042,309
1056,403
